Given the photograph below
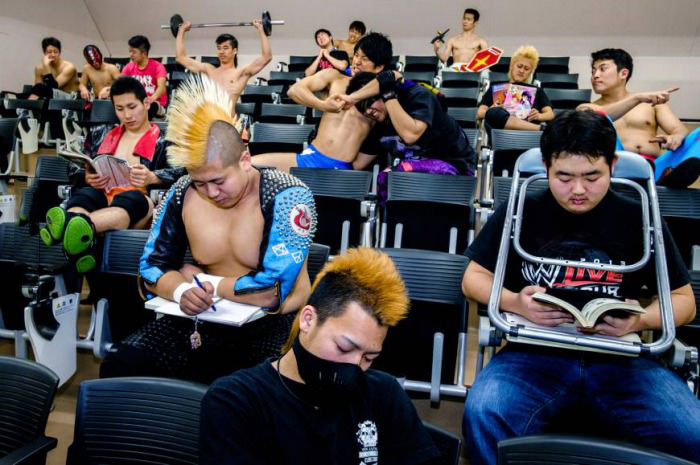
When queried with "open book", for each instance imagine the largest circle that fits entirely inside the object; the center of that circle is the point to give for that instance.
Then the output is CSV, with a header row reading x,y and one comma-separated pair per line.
x,y
565,328
227,312
116,169
516,99
592,310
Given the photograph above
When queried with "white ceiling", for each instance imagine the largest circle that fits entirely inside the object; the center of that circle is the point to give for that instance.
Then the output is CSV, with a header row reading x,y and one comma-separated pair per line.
x,y
572,27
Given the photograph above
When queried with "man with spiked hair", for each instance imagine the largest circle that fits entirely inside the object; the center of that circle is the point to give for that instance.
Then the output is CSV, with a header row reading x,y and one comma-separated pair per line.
x,y
249,232
320,402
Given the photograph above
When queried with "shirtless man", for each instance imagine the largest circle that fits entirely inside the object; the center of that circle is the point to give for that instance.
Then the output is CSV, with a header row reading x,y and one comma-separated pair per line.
x,y
639,116
95,209
53,72
249,229
463,46
232,78
356,30
340,132
96,73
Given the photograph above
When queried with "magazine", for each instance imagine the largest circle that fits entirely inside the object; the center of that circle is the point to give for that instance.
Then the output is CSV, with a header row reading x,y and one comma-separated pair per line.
x,y
516,99
116,169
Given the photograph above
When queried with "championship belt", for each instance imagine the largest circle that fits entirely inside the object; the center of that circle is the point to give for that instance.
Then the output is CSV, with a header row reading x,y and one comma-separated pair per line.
x,y
484,59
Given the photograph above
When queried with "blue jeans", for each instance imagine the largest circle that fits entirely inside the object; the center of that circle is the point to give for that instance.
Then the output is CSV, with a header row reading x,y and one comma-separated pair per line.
x,y
523,389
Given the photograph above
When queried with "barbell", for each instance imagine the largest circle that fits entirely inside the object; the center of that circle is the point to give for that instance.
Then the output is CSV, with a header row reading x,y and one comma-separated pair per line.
x,y
176,20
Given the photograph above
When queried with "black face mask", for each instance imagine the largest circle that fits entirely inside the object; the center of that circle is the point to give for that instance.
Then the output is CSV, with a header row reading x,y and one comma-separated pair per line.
x,y
327,377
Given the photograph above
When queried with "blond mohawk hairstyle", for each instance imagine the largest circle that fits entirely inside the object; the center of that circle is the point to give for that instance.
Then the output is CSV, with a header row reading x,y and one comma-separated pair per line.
x,y
197,104
377,286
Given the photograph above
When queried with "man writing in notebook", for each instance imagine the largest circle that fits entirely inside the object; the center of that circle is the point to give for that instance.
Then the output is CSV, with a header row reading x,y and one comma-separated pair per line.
x,y
320,403
248,229
525,388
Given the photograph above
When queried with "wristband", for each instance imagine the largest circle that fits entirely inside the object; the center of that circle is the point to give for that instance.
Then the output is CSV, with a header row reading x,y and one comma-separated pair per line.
x,y
210,278
388,95
181,289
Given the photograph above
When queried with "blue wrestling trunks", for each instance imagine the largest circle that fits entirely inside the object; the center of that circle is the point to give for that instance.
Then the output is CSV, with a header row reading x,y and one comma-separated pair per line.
x,y
312,158
687,154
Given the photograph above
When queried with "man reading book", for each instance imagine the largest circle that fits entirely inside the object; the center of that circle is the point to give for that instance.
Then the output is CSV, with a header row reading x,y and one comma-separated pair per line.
x,y
580,218
320,403
249,230
94,209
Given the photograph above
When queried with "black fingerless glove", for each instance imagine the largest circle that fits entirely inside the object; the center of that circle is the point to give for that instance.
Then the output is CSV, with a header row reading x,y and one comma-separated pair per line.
x,y
387,85
49,80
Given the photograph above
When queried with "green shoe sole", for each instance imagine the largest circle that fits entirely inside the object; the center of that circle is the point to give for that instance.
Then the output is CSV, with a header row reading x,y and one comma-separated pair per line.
x,y
46,237
55,223
78,236
85,263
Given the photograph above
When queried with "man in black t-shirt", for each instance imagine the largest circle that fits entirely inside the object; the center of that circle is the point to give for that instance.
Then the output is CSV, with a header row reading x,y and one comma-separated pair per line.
x,y
412,127
524,388
328,56
320,403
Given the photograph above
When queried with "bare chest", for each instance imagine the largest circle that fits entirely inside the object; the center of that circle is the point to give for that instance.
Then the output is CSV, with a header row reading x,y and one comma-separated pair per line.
x,y
640,118
225,241
125,149
230,79
466,44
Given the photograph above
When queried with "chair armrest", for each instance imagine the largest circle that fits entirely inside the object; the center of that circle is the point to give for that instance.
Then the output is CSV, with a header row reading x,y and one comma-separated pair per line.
x,y
30,452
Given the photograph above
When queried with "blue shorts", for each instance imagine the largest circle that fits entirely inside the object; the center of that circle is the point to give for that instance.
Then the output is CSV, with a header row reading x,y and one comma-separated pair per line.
x,y
312,158
690,149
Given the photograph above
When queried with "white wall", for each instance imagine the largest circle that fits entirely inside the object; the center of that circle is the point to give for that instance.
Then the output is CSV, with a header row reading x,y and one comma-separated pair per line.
x,y
24,23
662,35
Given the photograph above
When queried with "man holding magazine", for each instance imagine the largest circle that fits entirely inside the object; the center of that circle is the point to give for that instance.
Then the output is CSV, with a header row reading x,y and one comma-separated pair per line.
x,y
525,388
115,198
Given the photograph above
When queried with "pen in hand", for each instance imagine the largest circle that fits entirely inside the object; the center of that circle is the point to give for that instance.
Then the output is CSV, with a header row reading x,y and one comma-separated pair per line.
x,y
199,283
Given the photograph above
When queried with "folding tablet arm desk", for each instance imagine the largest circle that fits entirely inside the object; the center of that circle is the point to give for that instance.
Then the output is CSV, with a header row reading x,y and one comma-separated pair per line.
x,y
629,166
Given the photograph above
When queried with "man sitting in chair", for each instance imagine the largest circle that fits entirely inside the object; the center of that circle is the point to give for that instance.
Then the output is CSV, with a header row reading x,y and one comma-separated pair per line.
x,y
580,218
340,132
320,402
94,209
249,229
675,153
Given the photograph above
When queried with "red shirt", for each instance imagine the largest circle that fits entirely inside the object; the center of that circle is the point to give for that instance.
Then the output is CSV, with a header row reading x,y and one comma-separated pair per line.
x,y
144,148
148,76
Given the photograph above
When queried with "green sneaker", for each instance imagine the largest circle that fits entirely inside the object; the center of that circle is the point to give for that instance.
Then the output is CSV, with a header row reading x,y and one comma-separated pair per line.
x,y
55,224
85,263
78,235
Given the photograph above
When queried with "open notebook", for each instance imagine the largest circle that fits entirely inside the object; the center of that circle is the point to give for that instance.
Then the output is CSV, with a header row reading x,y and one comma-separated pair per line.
x,y
228,312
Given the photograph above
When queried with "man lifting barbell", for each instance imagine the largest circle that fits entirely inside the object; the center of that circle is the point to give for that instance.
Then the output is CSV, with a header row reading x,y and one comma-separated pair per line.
x,y
232,78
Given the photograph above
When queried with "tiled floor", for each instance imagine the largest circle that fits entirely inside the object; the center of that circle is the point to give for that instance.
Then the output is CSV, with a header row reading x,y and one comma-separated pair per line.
x,y
61,420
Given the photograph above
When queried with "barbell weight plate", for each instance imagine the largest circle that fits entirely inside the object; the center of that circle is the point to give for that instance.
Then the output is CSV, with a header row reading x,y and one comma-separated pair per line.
x,y
175,21
267,23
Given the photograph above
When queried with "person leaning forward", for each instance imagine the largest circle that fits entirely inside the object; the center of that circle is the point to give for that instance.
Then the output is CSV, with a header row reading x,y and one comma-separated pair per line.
x,y
249,232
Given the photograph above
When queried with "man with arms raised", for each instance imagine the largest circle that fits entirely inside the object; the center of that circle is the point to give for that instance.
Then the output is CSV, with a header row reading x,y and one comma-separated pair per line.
x,y
227,74
249,229
524,388
53,73
97,74
638,117
341,132
320,403
463,46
